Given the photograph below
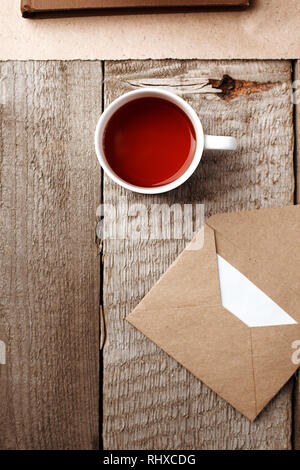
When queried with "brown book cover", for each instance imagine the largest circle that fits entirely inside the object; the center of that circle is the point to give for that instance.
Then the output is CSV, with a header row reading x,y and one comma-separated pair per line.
x,y
29,7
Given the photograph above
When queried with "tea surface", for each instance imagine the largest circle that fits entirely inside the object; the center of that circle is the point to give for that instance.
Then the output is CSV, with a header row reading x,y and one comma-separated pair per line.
x,y
149,142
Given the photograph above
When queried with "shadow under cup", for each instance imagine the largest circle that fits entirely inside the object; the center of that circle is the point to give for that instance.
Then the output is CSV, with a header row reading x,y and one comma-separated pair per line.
x,y
149,142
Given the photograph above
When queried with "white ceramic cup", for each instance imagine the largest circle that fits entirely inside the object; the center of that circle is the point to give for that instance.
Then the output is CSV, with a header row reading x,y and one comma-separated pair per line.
x,y
209,142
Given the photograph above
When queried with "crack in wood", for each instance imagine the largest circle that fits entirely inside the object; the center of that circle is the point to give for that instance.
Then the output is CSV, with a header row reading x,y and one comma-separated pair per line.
x,y
226,88
181,86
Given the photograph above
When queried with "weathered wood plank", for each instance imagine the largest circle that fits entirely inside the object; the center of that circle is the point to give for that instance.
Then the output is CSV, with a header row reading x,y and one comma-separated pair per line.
x,y
150,402
50,189
296,410
296,95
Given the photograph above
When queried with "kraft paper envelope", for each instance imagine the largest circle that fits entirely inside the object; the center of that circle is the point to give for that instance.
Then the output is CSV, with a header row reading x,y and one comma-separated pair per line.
x,y
228,309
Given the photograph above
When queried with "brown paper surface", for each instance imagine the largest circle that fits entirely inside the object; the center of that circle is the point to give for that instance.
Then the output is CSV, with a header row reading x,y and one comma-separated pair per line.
x,y
183,314
266,30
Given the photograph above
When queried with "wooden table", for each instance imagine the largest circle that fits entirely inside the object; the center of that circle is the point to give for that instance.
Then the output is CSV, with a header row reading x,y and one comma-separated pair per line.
x,y
60,389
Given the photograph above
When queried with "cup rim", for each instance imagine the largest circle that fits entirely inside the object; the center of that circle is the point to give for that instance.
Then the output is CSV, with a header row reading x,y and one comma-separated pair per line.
x,y
130,96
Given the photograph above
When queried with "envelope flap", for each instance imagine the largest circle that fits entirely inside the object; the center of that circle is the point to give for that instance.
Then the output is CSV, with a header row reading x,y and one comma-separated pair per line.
x,y
192,279
270,236
261,275
212,344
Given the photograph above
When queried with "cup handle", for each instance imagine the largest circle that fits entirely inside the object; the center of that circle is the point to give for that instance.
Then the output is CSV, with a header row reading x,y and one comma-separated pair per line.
x,y
217,142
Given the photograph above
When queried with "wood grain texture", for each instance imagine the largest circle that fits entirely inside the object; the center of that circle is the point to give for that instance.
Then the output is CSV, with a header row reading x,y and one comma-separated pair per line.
x,y
151,402
296,90
49,315
296,433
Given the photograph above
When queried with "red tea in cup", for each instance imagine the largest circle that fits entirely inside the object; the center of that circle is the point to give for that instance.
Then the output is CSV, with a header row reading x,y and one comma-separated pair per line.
x,y
149,142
